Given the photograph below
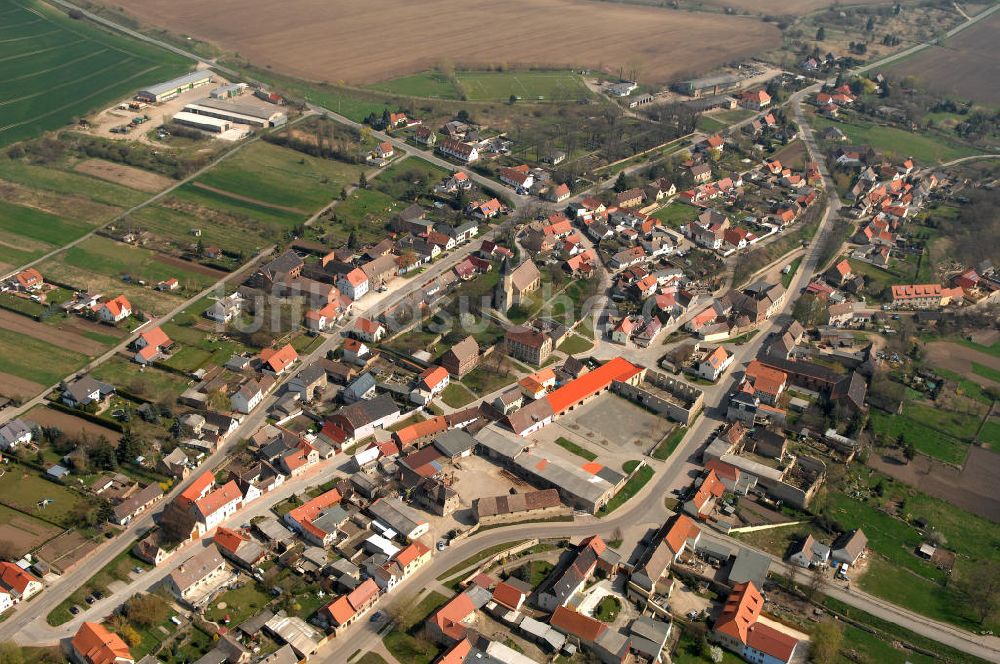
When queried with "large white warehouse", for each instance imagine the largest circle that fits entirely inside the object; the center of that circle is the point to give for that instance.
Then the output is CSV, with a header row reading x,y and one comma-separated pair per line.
x,y
172,88
241,111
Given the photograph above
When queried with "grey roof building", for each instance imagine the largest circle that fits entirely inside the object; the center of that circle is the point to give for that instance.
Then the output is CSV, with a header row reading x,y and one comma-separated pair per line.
x,y
455,443
749,566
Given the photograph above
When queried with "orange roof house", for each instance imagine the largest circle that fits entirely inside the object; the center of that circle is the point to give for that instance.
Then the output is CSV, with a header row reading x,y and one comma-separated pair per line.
x,y
94,644
742,609
702,502
766,380
432,378
452,619
278,360
13,578
415,433
682,531
196,490
29,279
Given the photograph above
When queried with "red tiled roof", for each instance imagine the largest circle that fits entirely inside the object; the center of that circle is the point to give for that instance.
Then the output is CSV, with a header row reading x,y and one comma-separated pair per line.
x,y
97,645
576,624
155,337
304,514
411,553
279,359
363,593
196,489
431,377
765,379
214,501
508,595
723,469
356,277
12,576
118,305
682,530
367,326
591,383
229,539
450,616
29,277
742,608
419,430
909,292
340,610
767,639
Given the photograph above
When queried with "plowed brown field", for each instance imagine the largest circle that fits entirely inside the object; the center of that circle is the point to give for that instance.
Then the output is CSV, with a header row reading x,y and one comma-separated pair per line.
x,y
356,41
968,65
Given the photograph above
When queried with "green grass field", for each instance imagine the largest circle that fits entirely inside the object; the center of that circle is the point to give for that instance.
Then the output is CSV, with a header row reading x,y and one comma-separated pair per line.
x,y
676,214
365,205
152,383
282,177
573,448
113,259
35,360
574,345
65,182
39,226
896,573
632,487
526,85
924,438
427,84
457,395
240,604
26,489
254,212
53,68
408,175
223,231
925,149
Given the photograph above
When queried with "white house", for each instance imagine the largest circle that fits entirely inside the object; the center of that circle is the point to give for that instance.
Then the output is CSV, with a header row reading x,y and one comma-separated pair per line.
x,y
247,397
217,506
114,310
354,284
225,309
715,363
14,433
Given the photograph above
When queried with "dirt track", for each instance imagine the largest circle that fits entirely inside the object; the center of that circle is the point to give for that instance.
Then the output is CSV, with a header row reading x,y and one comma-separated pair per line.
x,y
49,334
959,358
351,41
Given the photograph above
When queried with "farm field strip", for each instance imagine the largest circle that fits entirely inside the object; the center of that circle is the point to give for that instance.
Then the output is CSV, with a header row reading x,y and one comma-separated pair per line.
x,y
293,180
276,36
966,66
36,360
69,182
530,85
70,68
